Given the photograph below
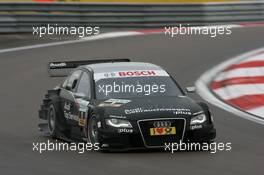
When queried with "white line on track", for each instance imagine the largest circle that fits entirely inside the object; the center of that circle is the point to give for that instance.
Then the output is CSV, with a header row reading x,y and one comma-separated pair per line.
x,y
102,36
86,39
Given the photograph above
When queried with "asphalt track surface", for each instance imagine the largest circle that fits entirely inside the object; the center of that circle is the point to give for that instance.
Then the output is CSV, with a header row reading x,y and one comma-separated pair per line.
x,y
24,81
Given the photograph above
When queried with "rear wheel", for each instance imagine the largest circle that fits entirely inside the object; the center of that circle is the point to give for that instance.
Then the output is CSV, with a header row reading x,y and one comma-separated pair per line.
x,y
55,119
52,121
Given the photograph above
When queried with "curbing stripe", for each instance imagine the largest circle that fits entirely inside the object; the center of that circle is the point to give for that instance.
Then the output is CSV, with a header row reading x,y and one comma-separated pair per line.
x,y
203,85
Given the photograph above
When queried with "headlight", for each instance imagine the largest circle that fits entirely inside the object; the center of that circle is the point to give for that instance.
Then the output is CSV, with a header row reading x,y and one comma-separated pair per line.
x,y
198,119
118,123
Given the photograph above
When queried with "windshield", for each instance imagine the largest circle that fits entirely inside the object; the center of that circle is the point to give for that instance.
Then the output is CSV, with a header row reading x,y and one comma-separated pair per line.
x,y
134,87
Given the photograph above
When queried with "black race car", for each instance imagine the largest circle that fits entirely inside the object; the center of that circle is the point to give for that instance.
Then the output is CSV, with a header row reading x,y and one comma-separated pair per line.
x,y
118,104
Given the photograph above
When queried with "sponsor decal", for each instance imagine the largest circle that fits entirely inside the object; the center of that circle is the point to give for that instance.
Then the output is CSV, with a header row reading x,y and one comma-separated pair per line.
x,y
131,73
67,106
67,113
163,131
196,127
71,116
83,110
174,110
137,73
109,75
82,122
57,65
82,103
182,111
124,130
114,103
82,116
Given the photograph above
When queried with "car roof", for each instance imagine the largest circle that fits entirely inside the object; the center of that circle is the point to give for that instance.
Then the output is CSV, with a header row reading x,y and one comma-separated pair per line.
x,y
121,66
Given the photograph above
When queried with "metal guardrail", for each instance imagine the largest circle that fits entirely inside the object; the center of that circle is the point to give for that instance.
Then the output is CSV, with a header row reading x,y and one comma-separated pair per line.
x,y
20,17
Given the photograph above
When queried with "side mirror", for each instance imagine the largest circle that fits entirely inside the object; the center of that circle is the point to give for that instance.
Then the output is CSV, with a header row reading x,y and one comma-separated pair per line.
x,y
68,87
72,86
79,95
190,89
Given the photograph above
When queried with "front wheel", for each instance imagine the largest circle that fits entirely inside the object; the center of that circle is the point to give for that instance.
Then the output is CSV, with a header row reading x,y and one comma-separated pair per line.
x,y
93,130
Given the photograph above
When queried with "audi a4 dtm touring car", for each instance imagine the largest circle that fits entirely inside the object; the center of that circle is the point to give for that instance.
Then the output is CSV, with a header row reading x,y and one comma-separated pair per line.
x,y
118,104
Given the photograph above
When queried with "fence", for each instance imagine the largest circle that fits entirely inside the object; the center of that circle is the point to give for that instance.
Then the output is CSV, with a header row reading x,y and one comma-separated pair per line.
x,y
20,17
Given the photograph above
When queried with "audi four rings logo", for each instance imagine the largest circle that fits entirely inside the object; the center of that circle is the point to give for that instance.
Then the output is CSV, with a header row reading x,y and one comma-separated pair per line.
x,y
159,124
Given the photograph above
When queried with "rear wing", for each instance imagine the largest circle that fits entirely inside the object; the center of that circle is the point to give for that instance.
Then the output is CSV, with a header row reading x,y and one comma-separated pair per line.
x,y
63,68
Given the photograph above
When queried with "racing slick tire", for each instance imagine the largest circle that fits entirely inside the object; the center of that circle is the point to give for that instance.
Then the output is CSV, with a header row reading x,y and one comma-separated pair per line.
x,y
52,121
54,118
92,134
92,130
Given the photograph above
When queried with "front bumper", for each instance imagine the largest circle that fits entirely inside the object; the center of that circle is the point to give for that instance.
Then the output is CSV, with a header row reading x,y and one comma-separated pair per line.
x,y
205,134
112,140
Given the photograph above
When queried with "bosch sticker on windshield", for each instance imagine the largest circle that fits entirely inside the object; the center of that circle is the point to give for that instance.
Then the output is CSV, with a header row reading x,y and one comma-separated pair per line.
x,y
134,73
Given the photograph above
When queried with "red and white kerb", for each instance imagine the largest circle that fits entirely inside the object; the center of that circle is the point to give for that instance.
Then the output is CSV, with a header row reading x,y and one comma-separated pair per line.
x,y
242,84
